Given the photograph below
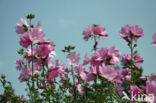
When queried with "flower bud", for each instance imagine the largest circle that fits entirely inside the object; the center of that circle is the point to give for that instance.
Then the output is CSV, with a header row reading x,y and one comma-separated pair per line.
x,y
106,89
7,86
135,45
37,75
143,78
30,16
2,76
41,87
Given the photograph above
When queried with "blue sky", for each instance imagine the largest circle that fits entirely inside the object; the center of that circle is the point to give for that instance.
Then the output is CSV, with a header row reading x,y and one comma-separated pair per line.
x,y
63,22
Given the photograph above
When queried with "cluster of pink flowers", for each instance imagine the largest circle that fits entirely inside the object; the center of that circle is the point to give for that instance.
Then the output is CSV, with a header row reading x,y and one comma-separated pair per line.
x,y
34,35
102,63
148,91
41,50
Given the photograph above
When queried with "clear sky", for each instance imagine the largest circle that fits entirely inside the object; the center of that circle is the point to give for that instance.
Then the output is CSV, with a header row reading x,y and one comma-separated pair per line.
x,y
63,22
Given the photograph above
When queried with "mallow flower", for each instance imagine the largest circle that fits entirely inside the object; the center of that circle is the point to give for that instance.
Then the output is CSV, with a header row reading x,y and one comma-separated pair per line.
x,y
137,59
25,40
26,73
131,33
42,51
35,35
86,59
111,74
94,30
135,91
154,38
73,58
108,56
151,86
19,63
119,90
22,26
125,73
80,89
83,74
56,71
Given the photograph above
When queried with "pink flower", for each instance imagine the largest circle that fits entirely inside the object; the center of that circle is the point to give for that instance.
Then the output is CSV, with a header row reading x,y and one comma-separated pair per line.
x,y
28,54
80,89
110,73
83,74
126,74
50,44
136,59
41,87
25,74
144,89
56,71
21,26
151,86
90,77
119,89
49,62
41,51
1,95
73,58
25,40
143,78
87,33
99,31
19,63
106,89
131,33
21,99
53,74
94,30
37,33
79,71
154,38
135,91
109,56
86,60
93,69
37,65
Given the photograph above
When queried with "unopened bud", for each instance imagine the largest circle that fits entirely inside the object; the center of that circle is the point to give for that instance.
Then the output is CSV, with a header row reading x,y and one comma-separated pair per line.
x,y
2,76
30,16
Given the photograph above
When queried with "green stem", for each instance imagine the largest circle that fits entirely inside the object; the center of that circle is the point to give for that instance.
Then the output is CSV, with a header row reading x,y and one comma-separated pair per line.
x,y
32,58
32,65
94,46
95,80
131,47
44,84
33,98
74,89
